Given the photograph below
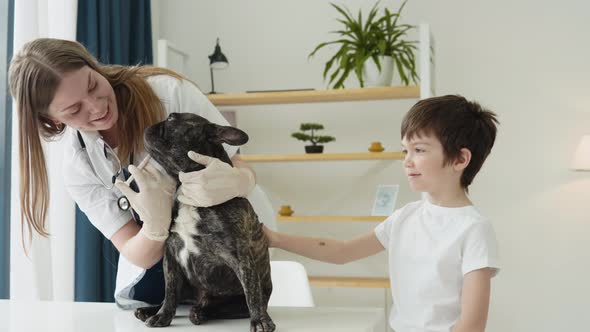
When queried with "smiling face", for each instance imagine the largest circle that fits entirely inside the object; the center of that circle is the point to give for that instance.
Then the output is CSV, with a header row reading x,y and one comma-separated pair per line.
x,y
84,100
425,167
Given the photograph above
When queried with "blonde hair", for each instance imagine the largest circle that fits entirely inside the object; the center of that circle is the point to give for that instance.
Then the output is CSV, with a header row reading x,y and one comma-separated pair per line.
x,y
34,75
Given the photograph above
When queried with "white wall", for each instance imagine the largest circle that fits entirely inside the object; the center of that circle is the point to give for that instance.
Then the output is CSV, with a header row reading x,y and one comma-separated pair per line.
x,y
527,60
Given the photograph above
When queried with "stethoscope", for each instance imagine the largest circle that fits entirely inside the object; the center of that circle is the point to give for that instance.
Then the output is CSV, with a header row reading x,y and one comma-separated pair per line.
x,y
113,173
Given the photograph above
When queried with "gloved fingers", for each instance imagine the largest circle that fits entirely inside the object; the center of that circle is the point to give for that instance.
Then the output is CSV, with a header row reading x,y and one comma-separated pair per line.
x,y
201,159
197,177
190,191
168,184
186,200
212,188
200,196
125,189
139,175
153,172
219,183
196,202
182,176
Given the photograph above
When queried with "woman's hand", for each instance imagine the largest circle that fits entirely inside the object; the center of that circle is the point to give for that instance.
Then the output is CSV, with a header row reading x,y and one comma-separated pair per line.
x,y
153,202
217,183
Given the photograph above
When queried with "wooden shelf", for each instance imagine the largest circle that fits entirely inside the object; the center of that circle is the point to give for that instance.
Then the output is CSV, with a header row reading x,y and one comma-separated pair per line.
x,y
330,218
353,282
316,96
267,158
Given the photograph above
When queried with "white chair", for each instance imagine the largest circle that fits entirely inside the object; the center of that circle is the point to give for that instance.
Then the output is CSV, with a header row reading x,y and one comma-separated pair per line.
x,y
290,286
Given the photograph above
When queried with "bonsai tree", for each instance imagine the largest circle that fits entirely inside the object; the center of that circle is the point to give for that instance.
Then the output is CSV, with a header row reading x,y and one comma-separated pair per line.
x,y
360,41
312,137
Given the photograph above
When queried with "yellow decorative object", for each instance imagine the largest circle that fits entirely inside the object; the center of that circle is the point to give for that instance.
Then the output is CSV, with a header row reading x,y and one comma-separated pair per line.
x,y
286,210
376,147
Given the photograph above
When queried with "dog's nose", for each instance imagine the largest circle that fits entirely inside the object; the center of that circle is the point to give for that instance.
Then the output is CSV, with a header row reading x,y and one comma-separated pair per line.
x,y
173,116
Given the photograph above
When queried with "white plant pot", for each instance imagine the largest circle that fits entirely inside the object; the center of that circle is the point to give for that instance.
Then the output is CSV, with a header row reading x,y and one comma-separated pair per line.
x,y
373,77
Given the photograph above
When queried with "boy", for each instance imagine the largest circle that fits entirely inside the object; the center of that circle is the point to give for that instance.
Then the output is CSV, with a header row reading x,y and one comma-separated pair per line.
x,y
442,253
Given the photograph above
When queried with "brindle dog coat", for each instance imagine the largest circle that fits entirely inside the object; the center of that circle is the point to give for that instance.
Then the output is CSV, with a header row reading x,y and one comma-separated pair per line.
x,y
217,257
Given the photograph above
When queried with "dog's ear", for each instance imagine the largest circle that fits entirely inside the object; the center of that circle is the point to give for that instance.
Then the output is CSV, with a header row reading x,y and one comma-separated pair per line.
x,y
225,134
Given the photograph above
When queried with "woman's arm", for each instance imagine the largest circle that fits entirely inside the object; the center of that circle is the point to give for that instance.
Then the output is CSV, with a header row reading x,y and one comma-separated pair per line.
x,y
137,248
475,301
143,246
326,250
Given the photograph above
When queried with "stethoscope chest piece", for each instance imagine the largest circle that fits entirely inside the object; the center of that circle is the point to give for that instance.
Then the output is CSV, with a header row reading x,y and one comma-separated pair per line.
x,y
123,203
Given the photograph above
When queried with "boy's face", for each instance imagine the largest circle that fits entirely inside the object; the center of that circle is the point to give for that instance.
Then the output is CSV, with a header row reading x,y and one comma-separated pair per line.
x,y
424,165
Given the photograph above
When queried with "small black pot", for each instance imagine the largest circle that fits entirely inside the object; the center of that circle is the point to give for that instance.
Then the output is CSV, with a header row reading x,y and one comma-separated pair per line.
x,y
314,148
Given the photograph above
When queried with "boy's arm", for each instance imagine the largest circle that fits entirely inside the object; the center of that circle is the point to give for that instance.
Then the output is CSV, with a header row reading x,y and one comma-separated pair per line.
x,y
326,250
475,301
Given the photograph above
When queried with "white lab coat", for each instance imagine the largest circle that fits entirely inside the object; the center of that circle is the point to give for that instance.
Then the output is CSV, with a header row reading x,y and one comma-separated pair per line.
x,y
100,204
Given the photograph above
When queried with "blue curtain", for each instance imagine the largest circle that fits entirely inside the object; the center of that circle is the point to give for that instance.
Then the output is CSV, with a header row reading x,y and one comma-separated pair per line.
x,y
116,32
6,35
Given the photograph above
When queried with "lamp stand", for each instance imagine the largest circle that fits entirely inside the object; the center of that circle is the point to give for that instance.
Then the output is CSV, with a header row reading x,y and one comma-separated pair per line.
x,y
212,84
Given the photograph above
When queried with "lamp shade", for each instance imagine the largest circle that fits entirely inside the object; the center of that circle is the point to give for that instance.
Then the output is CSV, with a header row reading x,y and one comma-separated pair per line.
x,y
217,60
582,156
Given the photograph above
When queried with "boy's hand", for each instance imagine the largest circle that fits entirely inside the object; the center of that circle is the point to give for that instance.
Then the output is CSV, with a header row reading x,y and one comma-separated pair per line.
x,y
271,236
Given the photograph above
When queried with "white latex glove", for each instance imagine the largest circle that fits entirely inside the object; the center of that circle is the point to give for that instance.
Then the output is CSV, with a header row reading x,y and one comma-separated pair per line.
x,y
154,201
217,183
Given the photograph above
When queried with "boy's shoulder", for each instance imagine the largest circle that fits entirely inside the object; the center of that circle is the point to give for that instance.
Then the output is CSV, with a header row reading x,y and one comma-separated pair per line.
x,y
412,206
467,215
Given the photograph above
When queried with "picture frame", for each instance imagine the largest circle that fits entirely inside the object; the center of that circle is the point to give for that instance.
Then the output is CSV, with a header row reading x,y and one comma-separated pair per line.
x,y
385,200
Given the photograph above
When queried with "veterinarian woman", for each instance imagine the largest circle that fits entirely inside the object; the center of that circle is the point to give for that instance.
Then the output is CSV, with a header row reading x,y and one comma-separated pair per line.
x,y
101,111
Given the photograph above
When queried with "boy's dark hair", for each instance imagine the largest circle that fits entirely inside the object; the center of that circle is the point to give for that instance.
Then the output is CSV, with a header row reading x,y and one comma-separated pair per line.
x,y
457,123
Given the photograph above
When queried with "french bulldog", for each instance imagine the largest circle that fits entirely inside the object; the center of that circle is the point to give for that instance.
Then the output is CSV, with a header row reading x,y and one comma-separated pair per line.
x,y
215,258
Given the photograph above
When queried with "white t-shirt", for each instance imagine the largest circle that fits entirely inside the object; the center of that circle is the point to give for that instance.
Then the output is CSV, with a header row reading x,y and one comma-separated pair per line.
x,y
430,249
99,203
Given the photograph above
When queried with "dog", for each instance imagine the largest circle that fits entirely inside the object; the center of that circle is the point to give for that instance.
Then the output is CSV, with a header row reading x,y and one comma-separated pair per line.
x,y
216,258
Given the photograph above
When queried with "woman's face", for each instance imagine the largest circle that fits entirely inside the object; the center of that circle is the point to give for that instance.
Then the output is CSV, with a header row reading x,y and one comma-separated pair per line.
x,y
84,100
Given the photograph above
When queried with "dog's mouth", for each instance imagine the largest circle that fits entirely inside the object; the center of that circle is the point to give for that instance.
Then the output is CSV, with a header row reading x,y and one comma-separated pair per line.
x,y
156,146
162,130
155,131
149,136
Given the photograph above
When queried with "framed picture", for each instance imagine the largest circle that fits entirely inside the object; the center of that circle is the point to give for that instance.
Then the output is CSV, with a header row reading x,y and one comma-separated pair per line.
x,y
385,200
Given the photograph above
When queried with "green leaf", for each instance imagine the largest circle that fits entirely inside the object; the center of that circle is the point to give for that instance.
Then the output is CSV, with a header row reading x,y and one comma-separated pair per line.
x,y
301,136
371,16
401,72
375,58
340,83
325,139
333,76
311,126
378,34
321,46
329,65
348,18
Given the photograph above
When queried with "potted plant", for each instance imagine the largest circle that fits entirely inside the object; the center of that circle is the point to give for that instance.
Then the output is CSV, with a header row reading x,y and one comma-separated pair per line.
x,y
379,43
313,138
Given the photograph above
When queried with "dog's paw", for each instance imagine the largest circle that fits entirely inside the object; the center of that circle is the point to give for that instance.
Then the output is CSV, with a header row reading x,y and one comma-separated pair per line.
x,y
197,316
146,312
263,324
159,320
